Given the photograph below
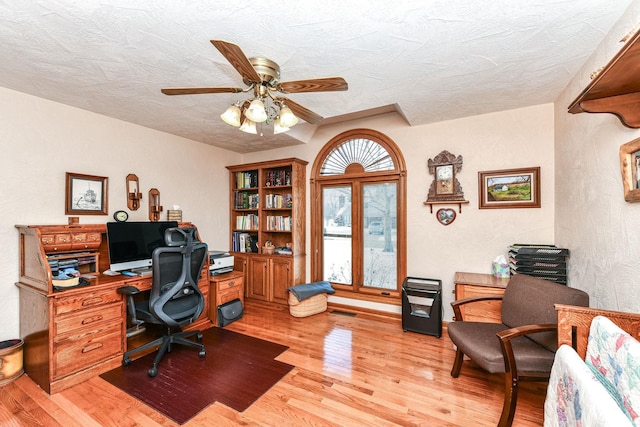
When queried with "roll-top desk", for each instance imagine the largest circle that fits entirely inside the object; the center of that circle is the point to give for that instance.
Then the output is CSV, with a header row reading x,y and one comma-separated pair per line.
x,y
73,334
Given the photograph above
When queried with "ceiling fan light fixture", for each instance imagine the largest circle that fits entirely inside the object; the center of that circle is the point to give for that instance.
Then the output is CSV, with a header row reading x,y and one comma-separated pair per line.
x,y
277,126
248,126
256,111
287,118
232,115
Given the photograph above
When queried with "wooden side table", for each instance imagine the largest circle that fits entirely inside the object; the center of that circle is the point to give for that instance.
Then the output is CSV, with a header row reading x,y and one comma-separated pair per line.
x,y
476,284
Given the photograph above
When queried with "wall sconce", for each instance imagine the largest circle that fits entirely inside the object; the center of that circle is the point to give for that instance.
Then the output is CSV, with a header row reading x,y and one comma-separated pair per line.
x,y
133,192
154,205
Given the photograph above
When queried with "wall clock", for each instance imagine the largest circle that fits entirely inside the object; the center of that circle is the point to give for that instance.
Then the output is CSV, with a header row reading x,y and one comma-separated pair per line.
x,y
120,216
445,186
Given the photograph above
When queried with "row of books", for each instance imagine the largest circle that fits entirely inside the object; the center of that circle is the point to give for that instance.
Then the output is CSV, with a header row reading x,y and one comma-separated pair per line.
x,y
277,201
278,177
244,200
243,242
247,179
279,223
247,222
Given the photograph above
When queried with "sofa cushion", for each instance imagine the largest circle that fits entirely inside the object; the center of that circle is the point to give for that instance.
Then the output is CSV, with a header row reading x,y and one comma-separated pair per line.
x,y
530,300
478,340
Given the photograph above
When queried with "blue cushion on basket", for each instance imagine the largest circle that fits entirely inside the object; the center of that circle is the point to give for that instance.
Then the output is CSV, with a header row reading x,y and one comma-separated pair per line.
x,y
307,290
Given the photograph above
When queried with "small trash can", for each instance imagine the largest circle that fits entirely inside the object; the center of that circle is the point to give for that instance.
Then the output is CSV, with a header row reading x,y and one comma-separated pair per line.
x,y
422,306
11,363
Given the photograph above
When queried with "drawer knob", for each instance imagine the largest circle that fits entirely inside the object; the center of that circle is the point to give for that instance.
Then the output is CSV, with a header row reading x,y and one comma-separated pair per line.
x,y
231,283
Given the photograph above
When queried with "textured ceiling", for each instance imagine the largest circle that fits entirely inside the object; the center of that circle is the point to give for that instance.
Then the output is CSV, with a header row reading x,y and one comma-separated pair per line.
x,y
433,60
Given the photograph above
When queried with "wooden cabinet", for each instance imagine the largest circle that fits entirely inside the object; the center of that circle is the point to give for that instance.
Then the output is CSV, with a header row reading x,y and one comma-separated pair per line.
x,y
474,285
258,278
267,201
224,288
77,333
281,278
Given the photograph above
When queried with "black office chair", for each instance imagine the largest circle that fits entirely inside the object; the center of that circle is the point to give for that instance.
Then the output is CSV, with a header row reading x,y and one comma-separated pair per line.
x,y
175,300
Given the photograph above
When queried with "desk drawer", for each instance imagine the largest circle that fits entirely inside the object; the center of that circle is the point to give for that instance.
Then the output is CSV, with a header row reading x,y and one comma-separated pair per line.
x,y
90,345
229,284
85,318
85,300
229,295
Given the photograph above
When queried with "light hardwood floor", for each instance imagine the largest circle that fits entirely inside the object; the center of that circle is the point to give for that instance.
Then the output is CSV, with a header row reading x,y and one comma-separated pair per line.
x,y
360,370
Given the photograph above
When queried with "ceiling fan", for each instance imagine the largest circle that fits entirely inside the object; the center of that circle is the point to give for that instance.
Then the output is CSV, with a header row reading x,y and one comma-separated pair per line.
x,y
262,76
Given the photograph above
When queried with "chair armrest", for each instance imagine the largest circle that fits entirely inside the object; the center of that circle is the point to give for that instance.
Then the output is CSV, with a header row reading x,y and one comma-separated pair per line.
x,y
128,290
458,303
507,335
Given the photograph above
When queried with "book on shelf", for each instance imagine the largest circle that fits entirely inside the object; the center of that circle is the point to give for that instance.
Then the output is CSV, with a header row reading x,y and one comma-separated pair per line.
x,y
243,242
276,178
245,200
279,223
247,222
247,179
278,201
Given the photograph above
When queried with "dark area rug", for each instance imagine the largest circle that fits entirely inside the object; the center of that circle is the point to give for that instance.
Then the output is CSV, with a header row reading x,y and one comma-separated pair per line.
x,y
236,371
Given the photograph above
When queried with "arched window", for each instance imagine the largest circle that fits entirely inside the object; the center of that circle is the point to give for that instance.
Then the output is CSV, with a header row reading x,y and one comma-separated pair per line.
x,y
358,215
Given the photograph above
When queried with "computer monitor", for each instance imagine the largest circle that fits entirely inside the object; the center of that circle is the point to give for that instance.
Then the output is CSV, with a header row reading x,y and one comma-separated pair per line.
x,y
131,244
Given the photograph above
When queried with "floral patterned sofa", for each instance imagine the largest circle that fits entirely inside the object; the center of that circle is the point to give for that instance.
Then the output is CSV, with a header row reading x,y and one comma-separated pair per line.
x,y
595,379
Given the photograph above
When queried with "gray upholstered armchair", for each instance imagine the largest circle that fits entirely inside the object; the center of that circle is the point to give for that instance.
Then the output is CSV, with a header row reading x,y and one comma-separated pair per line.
x,y
523,346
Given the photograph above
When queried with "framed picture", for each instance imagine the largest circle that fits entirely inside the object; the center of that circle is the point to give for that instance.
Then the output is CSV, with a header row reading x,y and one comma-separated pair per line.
x,y
509,188
630,169
85,195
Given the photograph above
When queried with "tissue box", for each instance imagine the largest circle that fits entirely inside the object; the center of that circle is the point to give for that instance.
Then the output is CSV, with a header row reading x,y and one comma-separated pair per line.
x,y
500,268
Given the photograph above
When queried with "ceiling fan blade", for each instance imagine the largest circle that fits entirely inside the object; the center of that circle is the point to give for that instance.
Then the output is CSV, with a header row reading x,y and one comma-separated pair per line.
x,y
238,59
302,112
198,90
328,84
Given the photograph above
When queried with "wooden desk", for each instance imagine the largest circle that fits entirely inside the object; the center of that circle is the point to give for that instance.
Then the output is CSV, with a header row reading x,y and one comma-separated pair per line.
x,y
74,334
224,288
476,284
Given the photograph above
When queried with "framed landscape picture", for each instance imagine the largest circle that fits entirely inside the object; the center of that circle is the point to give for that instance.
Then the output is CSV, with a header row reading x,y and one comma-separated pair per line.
x,y
509,188
85,195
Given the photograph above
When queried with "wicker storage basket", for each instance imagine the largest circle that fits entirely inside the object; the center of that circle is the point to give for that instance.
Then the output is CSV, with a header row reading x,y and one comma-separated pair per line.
x,y
313,305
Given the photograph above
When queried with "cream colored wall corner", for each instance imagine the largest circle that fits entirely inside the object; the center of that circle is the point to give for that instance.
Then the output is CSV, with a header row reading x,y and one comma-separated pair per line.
x,y
41,140
592,218
503,140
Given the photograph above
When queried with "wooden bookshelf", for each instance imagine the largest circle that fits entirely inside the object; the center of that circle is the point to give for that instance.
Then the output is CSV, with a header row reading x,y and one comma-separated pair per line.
x,y
267,202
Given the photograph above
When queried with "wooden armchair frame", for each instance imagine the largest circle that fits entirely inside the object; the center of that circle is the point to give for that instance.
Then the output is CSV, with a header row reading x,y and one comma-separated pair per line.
x,y
512,376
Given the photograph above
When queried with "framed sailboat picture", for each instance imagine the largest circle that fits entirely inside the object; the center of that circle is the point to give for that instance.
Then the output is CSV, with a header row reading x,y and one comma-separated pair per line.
x,y
86,194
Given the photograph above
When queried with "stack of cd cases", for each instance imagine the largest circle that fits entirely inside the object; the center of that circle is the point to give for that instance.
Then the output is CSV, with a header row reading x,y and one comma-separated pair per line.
x,y
544,261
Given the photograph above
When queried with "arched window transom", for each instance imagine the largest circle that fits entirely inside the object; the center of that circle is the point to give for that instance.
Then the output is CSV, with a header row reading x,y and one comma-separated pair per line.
x,y
372,156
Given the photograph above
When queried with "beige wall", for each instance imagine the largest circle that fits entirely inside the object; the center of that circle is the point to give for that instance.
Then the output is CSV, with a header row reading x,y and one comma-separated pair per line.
x,y
41,140
592,217
582,203
508,139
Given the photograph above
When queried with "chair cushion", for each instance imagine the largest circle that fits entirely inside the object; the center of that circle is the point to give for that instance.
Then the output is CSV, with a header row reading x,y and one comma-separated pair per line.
x,y
530,300
478,340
